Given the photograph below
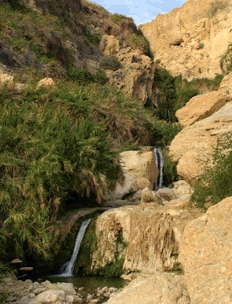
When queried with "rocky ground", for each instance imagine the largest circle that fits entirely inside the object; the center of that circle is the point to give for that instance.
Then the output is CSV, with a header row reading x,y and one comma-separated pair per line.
x,y
28,292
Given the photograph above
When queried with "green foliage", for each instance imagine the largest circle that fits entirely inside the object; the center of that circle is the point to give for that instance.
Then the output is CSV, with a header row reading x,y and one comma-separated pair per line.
x,y
169,169
140,41
172,93
82,76
216,6
226,60
117,17
111,270
164,132
4,296
110,62
93,38
215,183
165,89
17,4
56,142
177,269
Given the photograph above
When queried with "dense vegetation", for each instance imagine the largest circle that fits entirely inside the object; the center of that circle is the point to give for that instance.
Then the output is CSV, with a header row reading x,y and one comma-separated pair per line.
x,y
172,93
56,142
215,183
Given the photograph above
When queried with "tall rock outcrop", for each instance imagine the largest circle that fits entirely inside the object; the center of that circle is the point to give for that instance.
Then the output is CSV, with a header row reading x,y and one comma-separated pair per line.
x,y
191,40
146,237
206,255
207,118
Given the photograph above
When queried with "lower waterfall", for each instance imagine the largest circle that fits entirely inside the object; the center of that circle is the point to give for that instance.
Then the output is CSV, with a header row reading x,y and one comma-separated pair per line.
x,y
67,268
159,163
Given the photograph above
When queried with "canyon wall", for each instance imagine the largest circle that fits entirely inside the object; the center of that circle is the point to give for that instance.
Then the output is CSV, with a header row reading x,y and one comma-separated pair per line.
x,y
191,40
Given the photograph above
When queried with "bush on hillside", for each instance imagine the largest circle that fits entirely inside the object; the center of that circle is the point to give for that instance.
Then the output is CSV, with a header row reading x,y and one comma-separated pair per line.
x,y
215,183
110,62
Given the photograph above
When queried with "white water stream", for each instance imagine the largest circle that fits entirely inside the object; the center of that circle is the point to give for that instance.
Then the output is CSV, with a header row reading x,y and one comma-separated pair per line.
x,y
159,163
67,268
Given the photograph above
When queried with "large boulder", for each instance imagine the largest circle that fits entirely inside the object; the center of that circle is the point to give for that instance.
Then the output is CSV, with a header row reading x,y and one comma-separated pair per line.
x,y
200,107
157,289
206,255
193,146
140,171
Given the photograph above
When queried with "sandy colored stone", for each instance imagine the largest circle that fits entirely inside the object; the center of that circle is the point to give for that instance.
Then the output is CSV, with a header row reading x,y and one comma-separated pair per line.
x,y
6,78
200,107
135,77
152,234
157,289
140,171
46,82
194,144
206,255
190,42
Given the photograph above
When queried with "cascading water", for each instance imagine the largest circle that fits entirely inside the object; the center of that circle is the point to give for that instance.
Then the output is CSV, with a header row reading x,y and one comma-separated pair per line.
x,y
67,268
159,163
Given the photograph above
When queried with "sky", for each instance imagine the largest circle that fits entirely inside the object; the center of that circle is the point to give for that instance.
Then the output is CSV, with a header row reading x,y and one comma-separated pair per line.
x,y
142,11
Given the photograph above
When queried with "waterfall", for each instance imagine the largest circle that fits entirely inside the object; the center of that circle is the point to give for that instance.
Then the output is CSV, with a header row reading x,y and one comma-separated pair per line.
x,y
159,163
67,268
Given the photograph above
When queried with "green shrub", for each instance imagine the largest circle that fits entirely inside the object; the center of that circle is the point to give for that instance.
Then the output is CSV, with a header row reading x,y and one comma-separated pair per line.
x,y
165,94
140,41
169,169
164,132
216,6
93,38
117,17
226,60
82,76
110,62
215,183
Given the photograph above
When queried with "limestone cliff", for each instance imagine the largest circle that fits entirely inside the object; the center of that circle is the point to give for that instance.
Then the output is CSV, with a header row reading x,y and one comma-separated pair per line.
x,y
146,237
191,40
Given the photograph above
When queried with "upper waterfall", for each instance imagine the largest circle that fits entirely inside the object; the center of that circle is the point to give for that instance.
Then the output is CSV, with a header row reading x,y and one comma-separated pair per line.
x,y
159,163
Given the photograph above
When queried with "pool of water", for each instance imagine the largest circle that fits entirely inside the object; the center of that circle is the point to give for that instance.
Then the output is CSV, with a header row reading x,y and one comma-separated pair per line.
x,y
88,283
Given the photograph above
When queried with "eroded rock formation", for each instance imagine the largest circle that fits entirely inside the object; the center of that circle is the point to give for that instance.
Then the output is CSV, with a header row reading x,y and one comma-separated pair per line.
x,y
194,144
205,254
191,40
140,171
151,235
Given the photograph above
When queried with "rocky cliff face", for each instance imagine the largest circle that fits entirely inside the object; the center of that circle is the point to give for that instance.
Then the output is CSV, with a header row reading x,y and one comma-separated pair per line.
x,y
192,40
146,237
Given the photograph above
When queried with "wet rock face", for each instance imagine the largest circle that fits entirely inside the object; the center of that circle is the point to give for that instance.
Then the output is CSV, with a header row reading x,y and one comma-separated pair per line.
x,y
140,171
205,254
151,234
